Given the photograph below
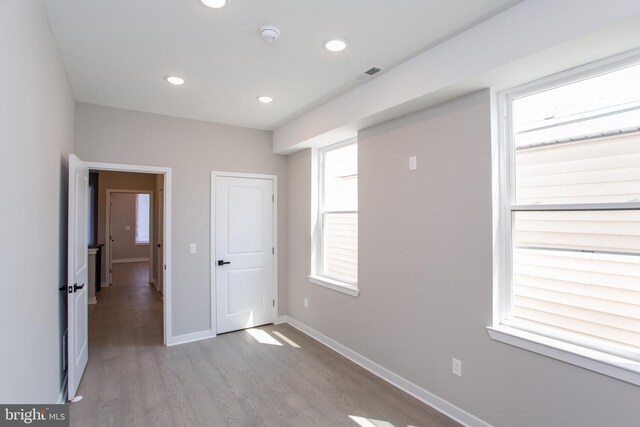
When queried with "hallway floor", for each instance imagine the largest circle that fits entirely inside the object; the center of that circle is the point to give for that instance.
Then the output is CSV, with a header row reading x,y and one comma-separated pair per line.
x,y
267,376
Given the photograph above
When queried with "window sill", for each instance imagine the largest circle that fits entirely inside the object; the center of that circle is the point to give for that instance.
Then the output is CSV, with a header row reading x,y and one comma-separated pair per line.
x,y
335,285
613,366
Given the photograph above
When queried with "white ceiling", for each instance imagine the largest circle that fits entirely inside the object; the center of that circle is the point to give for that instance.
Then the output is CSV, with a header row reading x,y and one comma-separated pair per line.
x,y
117,52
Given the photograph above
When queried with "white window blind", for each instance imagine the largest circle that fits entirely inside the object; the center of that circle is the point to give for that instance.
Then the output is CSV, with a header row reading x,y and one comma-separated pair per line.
x,y
573,210
142,218
339,213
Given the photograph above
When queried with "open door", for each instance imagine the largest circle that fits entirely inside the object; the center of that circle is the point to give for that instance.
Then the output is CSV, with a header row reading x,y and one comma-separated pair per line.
x,y
77,264
160,243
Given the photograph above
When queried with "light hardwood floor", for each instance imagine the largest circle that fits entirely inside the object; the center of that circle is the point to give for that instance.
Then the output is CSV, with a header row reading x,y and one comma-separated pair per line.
x,y
288,379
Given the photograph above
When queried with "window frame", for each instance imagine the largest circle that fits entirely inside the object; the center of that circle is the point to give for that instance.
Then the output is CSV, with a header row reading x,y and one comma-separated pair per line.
x,y
598,358
318,213
135,230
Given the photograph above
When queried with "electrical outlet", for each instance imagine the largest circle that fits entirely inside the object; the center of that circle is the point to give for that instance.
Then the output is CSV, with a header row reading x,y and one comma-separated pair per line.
x,y
192,248
306,303
456,367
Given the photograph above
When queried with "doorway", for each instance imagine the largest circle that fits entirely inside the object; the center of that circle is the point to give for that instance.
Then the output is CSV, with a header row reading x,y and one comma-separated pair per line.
x,y
129,229
243,242
78,239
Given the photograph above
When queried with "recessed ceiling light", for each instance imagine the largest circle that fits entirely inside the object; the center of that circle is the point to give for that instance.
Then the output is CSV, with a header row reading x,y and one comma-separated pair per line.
x,y
336,45
175,80
215,4
265,99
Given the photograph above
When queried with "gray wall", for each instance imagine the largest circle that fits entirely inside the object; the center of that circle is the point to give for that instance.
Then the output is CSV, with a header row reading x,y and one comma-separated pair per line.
x,y
36,136
192,149
425,274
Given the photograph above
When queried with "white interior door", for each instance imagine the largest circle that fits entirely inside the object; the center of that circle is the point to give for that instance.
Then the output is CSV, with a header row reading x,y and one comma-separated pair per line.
x,y
244,253
77,286
160,243
109,256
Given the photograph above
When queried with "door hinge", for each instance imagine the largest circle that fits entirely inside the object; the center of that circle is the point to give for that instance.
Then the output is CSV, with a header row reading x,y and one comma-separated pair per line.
x,y
273,198
274,303
273,251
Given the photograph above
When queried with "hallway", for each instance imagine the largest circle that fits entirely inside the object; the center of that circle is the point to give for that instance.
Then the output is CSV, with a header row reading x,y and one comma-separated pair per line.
x,y
125,329
268,376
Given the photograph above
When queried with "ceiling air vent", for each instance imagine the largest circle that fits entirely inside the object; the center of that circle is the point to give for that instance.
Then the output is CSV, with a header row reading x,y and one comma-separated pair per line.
x,y
373,71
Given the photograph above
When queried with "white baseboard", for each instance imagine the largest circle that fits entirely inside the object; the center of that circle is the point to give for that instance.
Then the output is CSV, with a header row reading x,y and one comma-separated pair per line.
x,y
280,320
92,300
62,396
104,285
196,336
123,260
450,410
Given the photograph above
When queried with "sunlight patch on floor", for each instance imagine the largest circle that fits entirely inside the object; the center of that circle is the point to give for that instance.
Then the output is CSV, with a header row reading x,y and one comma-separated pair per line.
x,y
285,339
370,422
263,337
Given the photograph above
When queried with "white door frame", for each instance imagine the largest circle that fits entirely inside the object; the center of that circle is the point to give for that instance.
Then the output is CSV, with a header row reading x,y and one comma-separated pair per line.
x,y
107,230
166,172
212,256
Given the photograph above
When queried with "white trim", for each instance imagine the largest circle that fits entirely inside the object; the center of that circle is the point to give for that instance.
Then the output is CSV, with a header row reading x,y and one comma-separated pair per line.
x,y
62,396
604,363
336,285
280,320
124,260
167,186
212,248
195,336
317,211
92,300
104,285
439,404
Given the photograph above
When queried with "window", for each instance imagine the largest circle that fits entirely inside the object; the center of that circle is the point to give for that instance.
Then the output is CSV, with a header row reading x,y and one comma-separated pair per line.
x,y
142,218
569,219
336,238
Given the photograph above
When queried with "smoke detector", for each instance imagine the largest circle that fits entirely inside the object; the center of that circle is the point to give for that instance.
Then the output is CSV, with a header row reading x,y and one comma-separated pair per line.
x,y
269,33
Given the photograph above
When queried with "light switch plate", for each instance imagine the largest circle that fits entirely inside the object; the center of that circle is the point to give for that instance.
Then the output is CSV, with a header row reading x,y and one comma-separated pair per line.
x,y
192,248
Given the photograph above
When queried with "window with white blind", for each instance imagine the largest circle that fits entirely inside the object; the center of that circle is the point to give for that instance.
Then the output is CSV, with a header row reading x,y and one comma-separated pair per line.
x,y
569,219
336,240
142,218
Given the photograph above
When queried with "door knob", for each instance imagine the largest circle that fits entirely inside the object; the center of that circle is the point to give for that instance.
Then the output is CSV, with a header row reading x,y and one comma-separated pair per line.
x,y
221,262
76,287
159,245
